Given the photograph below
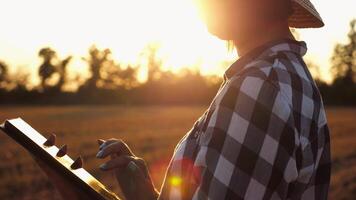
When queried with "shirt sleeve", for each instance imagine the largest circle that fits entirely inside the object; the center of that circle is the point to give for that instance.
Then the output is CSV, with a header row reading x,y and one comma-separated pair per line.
x,y
248,148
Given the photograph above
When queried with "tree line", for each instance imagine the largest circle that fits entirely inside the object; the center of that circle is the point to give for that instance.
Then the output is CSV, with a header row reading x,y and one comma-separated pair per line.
x,y
111,83
342,91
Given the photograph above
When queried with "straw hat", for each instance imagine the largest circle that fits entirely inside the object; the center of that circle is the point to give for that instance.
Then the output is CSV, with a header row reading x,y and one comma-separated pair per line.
x,y
304,15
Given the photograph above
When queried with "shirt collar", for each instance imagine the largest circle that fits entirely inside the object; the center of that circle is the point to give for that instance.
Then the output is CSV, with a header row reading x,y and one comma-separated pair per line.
x,y
267,49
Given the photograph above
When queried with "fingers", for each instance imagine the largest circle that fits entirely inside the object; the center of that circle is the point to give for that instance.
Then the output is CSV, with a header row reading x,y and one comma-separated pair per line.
x,y
117,147
118,162
100,141
103,143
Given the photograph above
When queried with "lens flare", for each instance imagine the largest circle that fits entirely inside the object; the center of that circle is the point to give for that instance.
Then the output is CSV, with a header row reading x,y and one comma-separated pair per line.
x,y
175,181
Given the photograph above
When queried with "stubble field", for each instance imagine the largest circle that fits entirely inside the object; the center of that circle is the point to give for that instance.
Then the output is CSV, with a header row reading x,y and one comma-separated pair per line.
x,y
151,131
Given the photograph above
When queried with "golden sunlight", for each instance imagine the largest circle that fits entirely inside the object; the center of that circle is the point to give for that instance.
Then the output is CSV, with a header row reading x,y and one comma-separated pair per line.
x,y
70,27
147,79
126,27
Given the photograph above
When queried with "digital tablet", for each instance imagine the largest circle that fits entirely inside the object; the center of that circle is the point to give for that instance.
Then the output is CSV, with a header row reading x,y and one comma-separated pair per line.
x,y
56,158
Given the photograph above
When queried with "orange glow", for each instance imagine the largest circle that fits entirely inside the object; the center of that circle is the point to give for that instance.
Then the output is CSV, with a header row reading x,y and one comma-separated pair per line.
x,y
126,27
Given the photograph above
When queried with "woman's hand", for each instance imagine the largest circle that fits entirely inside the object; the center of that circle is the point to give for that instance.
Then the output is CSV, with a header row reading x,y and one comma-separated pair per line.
x,y
131,172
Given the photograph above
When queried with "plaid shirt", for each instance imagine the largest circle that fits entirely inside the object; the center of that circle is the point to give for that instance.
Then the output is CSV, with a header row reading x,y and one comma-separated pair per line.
x,y
264,136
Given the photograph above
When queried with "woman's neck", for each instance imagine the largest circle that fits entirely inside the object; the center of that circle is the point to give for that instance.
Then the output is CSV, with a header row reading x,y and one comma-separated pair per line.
x,y
251,40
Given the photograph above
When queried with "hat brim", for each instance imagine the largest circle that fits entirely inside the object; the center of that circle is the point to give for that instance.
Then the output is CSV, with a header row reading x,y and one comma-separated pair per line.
x,y
304,15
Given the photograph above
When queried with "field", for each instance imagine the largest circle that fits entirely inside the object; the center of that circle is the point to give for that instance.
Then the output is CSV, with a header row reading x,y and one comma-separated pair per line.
x,y
151,131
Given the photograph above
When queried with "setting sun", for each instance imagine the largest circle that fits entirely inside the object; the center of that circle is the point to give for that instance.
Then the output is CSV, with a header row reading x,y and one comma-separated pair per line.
x,y
126,27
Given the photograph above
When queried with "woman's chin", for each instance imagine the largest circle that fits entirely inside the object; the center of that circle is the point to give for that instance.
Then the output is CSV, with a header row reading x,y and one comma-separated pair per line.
x,y
221,33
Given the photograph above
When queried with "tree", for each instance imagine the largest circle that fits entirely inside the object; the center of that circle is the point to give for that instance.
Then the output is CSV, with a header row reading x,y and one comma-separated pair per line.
x,y
129,77
97,60
153,62
21,80
106,73
115,76
47,68
343,89
62,70
344,58
3,74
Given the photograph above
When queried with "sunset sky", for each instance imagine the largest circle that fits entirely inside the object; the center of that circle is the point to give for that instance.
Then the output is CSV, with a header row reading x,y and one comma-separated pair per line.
x,y
72,26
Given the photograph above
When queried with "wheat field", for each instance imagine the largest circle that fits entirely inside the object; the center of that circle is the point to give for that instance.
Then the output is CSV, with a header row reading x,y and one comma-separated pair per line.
x,y
151,131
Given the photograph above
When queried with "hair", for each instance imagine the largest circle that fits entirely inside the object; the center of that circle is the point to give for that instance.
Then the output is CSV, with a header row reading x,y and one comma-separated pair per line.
x,y
230,46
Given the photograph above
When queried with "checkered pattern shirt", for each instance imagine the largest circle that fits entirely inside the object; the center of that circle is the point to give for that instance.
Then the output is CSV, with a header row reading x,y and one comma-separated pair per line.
x,y
264,136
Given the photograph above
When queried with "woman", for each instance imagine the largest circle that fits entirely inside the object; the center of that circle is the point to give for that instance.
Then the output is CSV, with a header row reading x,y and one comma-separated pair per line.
x,y
265,134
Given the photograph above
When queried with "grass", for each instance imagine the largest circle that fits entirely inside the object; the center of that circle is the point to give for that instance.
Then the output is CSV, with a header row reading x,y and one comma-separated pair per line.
x,y
151,131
